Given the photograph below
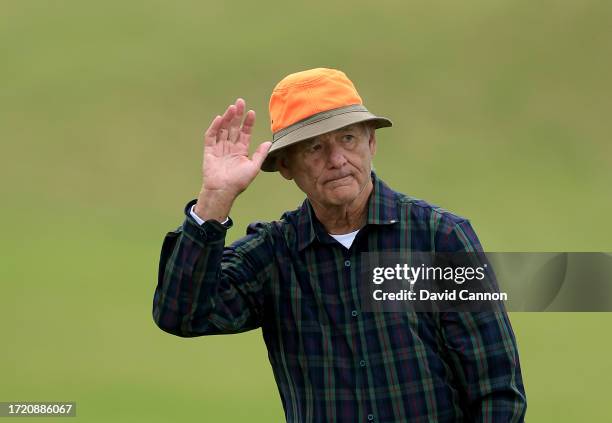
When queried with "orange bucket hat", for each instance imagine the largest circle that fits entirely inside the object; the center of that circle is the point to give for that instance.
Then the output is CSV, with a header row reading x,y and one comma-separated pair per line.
x,y
310,103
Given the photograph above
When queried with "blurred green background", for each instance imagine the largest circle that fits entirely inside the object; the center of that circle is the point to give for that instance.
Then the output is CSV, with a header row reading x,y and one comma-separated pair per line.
x,y
502,114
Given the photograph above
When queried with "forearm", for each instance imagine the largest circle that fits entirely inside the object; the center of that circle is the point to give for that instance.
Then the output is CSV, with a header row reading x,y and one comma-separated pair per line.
x,y
485,360
205,288
500,406
188,277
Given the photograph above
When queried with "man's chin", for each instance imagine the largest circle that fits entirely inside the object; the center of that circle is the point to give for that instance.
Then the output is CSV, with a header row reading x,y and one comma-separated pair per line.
x,y
342,195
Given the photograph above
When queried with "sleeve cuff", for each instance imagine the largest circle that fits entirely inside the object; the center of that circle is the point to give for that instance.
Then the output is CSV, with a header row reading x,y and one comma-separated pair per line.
x,y
208,231
200,220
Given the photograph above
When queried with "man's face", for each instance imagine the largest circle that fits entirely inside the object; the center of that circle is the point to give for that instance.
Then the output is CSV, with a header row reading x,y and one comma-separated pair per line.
x,y
334,168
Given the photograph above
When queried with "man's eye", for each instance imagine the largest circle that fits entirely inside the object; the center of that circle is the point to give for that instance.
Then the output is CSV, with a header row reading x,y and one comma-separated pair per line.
x,y
313,148
349,137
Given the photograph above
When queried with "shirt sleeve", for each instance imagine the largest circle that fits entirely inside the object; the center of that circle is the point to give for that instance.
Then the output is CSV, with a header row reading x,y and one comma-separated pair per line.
x,y
481,347
205,288
199,220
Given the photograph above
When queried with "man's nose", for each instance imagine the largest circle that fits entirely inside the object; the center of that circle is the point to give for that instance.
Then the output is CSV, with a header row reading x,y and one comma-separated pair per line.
x,y
336,157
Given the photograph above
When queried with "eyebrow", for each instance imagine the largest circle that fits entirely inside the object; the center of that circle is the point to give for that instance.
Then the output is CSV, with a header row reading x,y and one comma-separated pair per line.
x,y
305,143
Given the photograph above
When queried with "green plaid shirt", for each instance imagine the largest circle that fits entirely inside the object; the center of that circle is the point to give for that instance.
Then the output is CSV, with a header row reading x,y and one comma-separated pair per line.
x,y
334,362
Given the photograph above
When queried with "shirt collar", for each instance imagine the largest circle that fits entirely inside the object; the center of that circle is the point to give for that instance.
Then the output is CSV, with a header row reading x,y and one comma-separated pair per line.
x,y
382,210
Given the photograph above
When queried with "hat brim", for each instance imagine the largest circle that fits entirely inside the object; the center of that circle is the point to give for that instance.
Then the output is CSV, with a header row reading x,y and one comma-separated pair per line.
x,y
319,124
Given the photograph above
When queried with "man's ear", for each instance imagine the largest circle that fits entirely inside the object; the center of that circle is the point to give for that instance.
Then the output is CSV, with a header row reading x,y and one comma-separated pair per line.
x,y
281,165
372,141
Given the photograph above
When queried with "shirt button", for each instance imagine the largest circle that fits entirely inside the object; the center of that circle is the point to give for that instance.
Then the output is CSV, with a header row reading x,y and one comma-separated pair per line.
x,y
362,363
370,417
347,263
354,313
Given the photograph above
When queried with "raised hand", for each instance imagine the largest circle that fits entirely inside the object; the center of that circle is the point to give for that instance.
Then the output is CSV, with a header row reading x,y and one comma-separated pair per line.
x,y
227,169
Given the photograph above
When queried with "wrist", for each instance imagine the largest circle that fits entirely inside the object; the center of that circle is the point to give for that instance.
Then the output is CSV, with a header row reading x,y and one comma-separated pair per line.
x,y
213,205
201,221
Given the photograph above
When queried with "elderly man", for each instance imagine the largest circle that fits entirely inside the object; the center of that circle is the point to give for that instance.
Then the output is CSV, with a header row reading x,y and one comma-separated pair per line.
x,y
297,277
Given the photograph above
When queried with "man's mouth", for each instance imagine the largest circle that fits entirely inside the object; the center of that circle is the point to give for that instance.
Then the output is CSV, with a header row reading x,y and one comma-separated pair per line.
x,y
340,178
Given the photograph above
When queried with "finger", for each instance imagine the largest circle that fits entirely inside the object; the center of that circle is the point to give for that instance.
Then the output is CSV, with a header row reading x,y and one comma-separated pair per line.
x,y
249,121
225,125
234,128
210,136
223,134
260,154
228,116
238,110
234,132
240,105
247,128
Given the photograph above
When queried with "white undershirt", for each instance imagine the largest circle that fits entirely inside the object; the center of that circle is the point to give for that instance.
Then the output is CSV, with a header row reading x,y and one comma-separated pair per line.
x,y
344,239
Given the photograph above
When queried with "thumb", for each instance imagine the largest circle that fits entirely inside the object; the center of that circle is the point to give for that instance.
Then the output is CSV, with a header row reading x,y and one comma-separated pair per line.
x,y
261,153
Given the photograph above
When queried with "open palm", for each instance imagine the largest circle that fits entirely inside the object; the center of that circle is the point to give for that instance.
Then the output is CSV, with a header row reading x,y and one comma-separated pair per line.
x,y
226,165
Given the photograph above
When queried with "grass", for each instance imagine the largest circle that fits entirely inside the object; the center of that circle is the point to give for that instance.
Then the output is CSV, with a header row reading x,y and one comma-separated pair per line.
x,y
501,115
